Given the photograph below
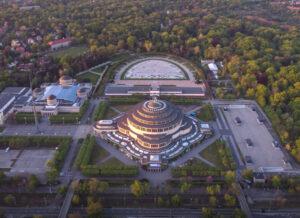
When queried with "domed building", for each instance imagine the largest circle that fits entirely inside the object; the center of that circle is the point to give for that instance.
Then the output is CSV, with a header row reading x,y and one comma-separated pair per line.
x,y
154,124
66,80
152,131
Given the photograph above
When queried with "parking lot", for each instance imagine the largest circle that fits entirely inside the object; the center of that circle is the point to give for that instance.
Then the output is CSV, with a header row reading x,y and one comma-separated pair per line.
x,y
30,161
262,153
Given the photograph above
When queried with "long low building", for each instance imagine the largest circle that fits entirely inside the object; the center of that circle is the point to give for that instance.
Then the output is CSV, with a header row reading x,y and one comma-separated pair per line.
x,y
50,99
129,90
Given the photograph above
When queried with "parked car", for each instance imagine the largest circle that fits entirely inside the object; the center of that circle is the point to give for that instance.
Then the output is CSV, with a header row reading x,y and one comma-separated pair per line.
x,y
260,120
7,149
238,121
249,142
193,114
225,108
275,144
253,108
248,160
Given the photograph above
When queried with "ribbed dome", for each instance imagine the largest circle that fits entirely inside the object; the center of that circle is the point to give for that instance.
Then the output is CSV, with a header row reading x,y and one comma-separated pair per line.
x,y
153,123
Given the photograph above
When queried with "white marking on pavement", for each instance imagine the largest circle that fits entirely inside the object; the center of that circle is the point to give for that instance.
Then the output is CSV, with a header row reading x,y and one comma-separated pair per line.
x,y
223,118
219,124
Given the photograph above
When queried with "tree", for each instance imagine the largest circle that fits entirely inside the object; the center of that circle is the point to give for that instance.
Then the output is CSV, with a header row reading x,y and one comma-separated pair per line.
x,y
248,174
229,200
75,185
33,182
238,213
62,190
230,177
93,208
185,187
207,212
168,189
160,201
210,190
52,174
176,201
148,45
93,185
275,181
76,199
213,201
217,188
131,40
139,188
10,200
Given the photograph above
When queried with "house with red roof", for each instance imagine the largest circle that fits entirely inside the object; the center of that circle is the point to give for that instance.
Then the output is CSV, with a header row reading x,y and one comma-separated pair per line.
x,y
60,43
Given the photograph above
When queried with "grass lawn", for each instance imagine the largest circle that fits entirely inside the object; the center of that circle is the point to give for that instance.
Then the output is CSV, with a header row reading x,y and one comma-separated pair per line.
x,y
196,162
113,161
98,154
119,57
110,114
211,154
123,107
88,77
99,69
74,51
2,128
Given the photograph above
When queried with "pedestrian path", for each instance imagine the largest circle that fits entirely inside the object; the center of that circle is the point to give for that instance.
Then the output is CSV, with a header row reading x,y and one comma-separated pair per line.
x,y
206,161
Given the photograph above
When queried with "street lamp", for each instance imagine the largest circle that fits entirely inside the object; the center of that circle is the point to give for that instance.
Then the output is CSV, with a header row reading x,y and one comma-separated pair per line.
x,y
63,120
25,120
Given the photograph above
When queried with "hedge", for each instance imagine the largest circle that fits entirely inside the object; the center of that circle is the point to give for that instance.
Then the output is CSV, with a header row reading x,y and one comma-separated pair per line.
x,y
101,111
88,151
111,171
196,171
60,154
20,142
82,151
27,118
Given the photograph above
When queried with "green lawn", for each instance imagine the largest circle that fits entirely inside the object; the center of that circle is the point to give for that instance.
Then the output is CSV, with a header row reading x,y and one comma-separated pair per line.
x,y
110,114
99,69
2,128
88,77
123,107
119,57
196,162
98,154
211,154
113,161
74,51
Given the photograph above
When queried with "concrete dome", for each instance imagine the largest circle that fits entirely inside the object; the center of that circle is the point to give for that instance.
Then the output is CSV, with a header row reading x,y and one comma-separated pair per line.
x,y
51,100
81,93
65,80
51,97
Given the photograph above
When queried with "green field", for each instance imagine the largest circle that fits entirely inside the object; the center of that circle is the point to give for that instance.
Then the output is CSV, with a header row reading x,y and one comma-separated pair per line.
x,y
88,77
113,161
110,114
98,154
123,107
99,69
74,51
119,57
211,154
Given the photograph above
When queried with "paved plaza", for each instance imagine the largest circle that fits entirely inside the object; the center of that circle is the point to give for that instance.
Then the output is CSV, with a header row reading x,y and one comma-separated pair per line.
x,y
33,161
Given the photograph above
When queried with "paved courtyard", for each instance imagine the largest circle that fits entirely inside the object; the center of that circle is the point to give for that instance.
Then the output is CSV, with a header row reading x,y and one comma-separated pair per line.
x,y
262,153
154,69
150,69
6,158
33,161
